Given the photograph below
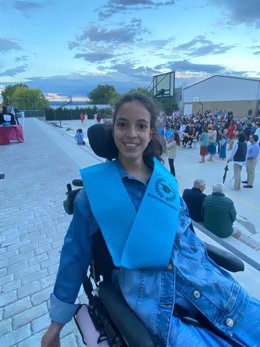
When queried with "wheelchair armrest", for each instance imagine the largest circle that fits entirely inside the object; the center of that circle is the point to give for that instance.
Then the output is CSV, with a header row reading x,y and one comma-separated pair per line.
x,y
68,204
225,259
129,325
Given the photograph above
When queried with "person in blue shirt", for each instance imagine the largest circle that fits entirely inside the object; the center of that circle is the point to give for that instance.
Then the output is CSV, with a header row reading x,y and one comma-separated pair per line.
x,y
168,135
223,140
163,269
251,160
80,137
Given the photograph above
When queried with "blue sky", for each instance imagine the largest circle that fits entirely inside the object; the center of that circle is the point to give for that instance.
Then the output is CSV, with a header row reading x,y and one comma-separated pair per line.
x,y
66,48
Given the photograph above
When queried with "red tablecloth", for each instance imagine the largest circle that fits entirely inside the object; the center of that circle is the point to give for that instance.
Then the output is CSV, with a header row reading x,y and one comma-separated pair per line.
x,y
11,133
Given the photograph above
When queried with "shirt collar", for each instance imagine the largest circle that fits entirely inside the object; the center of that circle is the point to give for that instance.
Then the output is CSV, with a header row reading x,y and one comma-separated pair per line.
x,y
124,174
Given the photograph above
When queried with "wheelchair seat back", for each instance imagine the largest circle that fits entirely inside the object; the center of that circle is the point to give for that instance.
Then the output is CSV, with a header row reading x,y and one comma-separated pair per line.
x,y
102,260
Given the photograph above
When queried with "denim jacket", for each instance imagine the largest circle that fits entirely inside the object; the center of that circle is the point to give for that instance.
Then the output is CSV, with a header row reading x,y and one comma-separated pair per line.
x,y
192,279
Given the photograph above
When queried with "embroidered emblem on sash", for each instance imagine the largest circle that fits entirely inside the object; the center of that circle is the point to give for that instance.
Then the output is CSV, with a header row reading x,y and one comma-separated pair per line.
x,y
164,192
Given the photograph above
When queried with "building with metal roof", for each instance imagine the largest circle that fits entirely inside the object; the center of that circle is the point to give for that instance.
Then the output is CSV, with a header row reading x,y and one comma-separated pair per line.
x,y
241,95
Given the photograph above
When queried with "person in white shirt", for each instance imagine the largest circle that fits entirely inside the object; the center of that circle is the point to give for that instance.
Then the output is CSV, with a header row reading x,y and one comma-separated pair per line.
x,y
238,156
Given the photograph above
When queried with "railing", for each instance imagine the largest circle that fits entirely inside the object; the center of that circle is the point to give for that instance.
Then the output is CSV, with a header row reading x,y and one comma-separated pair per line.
x,y
34,113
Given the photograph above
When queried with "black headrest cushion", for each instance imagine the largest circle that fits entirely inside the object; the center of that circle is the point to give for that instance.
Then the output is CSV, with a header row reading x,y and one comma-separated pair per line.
x,y
101,140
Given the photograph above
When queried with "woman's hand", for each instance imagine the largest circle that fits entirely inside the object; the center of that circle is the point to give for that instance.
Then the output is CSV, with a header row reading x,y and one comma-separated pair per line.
x,y
52,336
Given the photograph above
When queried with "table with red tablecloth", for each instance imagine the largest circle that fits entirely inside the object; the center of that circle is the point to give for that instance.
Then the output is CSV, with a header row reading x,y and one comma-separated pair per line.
x,y
11,133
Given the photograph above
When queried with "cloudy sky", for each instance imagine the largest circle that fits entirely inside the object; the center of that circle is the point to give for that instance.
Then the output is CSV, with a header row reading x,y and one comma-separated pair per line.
x,y
66,48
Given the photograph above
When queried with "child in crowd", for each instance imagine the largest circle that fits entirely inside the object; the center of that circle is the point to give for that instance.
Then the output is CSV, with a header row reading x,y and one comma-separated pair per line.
x,y
80,137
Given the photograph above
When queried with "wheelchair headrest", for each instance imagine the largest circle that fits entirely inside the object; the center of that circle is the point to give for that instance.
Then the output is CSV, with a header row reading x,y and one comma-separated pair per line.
x,y
101,140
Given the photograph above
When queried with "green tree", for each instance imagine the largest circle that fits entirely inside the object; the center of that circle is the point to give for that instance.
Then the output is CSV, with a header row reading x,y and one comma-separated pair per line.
x,y
25,98
9,90
168,104
103,94
144,91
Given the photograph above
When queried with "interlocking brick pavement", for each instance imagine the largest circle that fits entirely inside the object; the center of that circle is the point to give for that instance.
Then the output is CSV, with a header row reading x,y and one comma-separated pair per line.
x,y
32,229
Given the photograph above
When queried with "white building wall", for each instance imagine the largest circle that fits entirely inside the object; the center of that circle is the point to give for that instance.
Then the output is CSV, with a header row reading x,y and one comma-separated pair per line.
x,y
187,109
222,88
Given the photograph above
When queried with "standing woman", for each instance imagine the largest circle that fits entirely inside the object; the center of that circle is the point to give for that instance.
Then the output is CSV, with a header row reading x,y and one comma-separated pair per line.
x,y
231,134
223,139
204,142
82,118
171,150
212,142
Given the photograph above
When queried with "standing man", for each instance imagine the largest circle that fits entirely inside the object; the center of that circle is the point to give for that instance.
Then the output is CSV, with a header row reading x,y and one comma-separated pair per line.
x,y
238,156
194,198
252,154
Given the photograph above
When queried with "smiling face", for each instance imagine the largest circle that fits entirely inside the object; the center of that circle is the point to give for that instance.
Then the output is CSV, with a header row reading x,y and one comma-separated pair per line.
x,y
132,131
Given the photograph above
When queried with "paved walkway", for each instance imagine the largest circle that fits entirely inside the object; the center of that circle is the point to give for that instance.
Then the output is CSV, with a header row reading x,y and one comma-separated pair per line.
x,y
33,224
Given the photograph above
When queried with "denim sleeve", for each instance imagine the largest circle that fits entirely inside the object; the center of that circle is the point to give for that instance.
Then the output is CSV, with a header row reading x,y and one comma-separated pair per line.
x,y
75,258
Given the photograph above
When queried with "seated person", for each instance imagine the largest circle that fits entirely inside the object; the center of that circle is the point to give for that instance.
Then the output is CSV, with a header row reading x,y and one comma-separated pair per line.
x,y
188,135
134,200
218,212
8,116
80,137
194,198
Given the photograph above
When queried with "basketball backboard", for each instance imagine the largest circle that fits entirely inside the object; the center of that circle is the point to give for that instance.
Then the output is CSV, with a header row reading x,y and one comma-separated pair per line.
x,y
164,84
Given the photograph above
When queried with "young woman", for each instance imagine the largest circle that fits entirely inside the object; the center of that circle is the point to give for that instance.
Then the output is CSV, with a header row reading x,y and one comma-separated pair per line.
x,y
171,150
223,140
204,142
212,142
164,270
231,134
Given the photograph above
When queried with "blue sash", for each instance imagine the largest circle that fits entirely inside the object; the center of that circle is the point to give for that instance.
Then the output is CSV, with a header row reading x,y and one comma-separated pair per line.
x,y
135,239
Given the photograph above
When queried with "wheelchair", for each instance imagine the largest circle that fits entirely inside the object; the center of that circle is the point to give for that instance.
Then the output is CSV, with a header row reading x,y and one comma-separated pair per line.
x,y
112,318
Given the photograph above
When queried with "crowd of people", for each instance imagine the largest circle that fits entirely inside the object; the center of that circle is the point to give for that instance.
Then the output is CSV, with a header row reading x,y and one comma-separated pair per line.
x,y
217,133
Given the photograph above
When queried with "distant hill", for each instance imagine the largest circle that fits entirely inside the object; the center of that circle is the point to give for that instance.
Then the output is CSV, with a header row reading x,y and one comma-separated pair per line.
x,y
71,105
75,104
